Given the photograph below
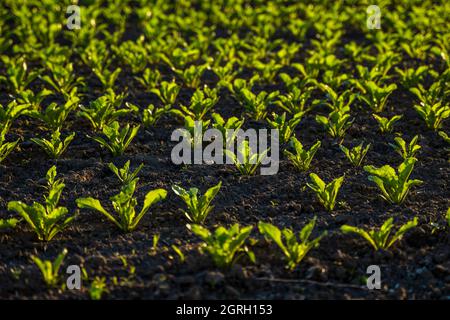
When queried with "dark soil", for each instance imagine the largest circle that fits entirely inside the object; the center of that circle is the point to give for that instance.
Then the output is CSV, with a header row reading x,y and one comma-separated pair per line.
x,y
418,267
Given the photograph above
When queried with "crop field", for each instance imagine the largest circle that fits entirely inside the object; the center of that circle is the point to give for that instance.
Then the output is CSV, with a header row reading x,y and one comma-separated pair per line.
x,y
226,149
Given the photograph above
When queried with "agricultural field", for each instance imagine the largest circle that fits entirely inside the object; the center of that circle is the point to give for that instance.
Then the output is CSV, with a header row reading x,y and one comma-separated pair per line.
x,y
108,190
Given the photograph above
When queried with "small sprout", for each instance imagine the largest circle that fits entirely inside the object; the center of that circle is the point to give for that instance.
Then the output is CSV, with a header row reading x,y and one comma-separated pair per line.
x,y
233,124
225,246
179,253
124,205
375,96
97,288
326,193
380,239
117,139
433,114
294,250
246,161
167,92
386,125
302,157
198,206
394,186
6,147
103,111
50,269
336,124
49,219
357,154
286,128
8,223
124,174
54,147
156,238
256,105
406,150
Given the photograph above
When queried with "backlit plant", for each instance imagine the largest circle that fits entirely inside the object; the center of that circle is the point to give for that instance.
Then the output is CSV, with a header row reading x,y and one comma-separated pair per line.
x,y
126,218
293,249
48,219
326,193
198,206
225,246
50,269
117,139
356,154
301,158
381,239
394,184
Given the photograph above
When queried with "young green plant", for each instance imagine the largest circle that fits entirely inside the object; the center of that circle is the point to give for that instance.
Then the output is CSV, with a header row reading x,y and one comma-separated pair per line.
x,y
124,204
293,249
49,219
198,206
326,193
379,239
301,158
394,185
225,246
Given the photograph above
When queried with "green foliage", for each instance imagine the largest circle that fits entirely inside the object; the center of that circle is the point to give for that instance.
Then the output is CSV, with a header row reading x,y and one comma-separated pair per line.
x,y
192,75
256,105
11,112
167,92
386,125
302,158
50,269
406,150
295,101
6,147
124,204
374,95
55,115
286,128
198,206
433,114
202,101
380,239
233,124
54,147
411,77
444,136
225,246
336,124
117,139
394,185
246,160
8,223
97,288
124,174
150,79
151,114
356,154
46,220
17,77
105,110
293,249
62,78
326,193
